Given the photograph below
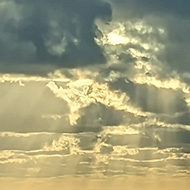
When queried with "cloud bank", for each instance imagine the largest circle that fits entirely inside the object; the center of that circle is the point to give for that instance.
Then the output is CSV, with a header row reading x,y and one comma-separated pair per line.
x,y
60,33
127,117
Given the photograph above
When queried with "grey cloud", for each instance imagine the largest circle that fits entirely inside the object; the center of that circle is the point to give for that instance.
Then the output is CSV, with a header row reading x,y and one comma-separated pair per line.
x,y
168,137
150,98
26,142
151,137
181,118
46,32
95,116
126,57
176,52
176,137
172,16
165,7
166,166
87,140
148,154
181,162
132,140
106,149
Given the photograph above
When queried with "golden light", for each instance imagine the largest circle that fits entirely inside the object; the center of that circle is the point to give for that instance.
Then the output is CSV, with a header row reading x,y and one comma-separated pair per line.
x,y
116,39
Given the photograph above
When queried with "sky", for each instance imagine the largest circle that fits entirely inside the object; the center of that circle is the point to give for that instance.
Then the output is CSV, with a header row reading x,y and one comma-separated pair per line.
x,y
94,94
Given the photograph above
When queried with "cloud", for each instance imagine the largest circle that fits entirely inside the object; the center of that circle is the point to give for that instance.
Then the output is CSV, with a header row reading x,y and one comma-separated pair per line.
x,y
127,117
94,116
150,98
168,137
45,32
181,118
112,152
35,35
132,140
25,142
171,16
32,107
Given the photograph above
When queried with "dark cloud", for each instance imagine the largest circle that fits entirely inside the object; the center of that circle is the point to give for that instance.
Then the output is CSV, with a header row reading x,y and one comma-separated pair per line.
x,y
181,118
168,137
151,137
165,7
87,140
95,116
172,16
46,32
150,98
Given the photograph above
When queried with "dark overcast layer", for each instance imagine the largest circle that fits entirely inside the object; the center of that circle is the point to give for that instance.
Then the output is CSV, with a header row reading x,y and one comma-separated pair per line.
x,y
94,88
51,32
62,32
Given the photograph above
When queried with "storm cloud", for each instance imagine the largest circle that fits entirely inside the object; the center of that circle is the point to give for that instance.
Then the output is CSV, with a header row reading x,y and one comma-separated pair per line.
x,y
172,16
59,32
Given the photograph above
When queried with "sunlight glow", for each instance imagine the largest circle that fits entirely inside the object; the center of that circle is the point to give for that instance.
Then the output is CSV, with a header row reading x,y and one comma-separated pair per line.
x,y
116,39
171,83
83,91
